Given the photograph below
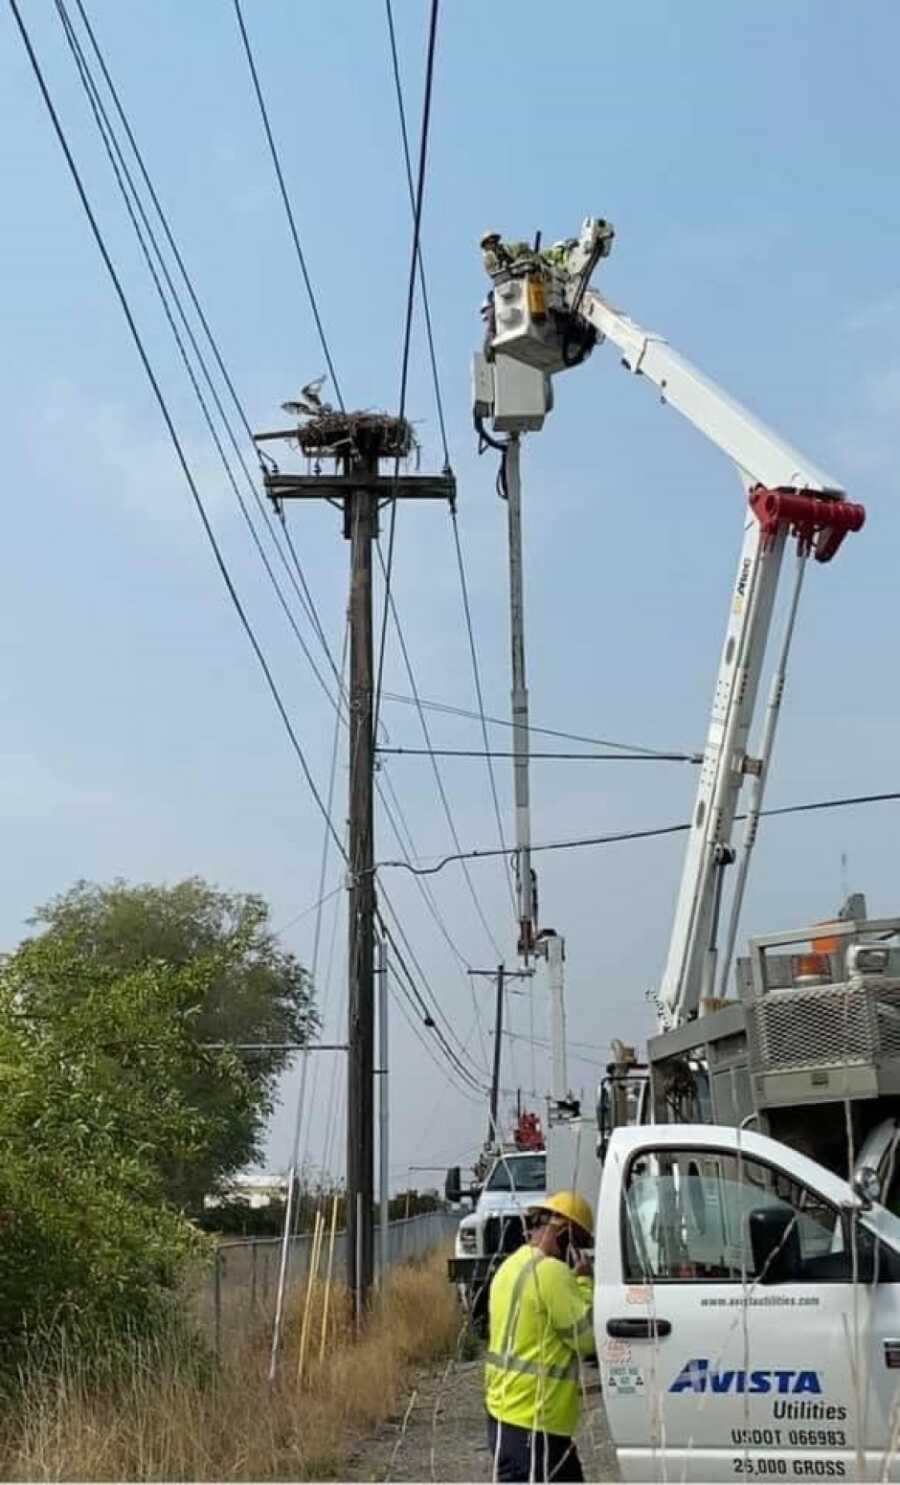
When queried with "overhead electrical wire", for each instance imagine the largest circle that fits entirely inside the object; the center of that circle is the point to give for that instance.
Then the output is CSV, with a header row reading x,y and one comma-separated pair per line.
x,y
308,596
542,1042
435,1008
432,1010
114,152
423,288
135,209
113,149
415,265
302,593
461,1090
628,835
317,936
428,1021
310,908
314,303
565,757
479,695
286,200
439,404
111,144
166,415
387,568
460,855
599,742
408,855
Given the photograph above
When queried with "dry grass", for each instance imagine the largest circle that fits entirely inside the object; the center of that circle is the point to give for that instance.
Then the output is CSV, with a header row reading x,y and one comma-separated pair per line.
x,y
170,1416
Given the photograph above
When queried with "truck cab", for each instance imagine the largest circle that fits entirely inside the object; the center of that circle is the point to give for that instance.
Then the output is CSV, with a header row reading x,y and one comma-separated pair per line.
x,y
746,1311
516,1181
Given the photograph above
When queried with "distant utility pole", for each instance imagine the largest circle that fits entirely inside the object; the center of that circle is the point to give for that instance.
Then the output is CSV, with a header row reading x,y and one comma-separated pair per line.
x,y
500,975
357,442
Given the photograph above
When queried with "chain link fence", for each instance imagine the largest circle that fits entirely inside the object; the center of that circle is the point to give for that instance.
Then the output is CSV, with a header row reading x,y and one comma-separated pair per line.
x,y
242,1284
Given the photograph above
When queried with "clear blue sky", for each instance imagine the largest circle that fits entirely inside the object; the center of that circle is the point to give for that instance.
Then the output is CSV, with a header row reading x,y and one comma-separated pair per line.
x,y
747,156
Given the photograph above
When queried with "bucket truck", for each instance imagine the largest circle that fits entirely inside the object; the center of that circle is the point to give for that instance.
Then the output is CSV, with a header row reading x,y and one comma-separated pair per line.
x,y
714,1232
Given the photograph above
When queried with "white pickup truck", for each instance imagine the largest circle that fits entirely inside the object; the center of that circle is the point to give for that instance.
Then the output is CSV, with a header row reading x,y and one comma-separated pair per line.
x,y
495,1227
746,1310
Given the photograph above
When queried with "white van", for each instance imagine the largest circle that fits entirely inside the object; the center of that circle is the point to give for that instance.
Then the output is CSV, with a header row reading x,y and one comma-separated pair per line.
x,y
747,1312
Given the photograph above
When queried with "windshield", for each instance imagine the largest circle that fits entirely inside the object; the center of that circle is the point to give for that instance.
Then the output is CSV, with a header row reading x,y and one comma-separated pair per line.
x,y
519,1173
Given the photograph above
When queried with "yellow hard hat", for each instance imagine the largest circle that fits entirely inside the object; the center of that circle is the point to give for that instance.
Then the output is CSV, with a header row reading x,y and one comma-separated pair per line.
x,y
572,1206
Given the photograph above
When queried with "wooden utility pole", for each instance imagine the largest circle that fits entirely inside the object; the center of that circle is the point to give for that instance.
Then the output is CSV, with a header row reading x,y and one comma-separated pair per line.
x,y
500,975
357,442
363,519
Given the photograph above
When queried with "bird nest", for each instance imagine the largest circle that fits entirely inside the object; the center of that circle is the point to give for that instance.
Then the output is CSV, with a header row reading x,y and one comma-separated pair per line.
x,y
369,434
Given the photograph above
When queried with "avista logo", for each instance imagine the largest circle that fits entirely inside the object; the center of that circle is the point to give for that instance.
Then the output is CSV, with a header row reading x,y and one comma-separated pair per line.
x,y
699,1376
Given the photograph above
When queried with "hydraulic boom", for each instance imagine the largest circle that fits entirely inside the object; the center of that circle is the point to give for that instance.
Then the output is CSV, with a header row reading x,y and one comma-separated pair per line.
x,y
542,315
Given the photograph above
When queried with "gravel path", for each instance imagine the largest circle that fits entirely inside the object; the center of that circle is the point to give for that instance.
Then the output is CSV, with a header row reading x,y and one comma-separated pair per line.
x,y
441,1435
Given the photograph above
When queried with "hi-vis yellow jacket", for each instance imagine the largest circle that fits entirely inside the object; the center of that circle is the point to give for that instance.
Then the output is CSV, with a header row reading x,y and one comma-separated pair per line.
x,y
540,1323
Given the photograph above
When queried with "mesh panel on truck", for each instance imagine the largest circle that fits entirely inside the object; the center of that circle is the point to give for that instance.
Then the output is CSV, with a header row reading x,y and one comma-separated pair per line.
x,y
824,1026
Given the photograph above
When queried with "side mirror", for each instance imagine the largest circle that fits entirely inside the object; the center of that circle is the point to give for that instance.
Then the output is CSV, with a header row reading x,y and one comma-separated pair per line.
x,y
867,1185
453,1185
774,1244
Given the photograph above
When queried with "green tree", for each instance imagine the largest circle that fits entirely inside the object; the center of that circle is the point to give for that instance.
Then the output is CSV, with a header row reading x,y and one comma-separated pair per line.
x,y
250,990
92,1113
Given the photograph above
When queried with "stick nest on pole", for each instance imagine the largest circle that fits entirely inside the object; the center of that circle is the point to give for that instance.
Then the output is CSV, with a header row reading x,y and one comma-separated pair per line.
x,y
348,435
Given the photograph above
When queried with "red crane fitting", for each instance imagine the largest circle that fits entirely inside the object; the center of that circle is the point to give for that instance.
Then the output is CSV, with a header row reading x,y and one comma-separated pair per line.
x,y
819,523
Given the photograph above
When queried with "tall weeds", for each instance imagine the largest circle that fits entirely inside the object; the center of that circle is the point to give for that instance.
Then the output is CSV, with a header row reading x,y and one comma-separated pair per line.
x,y
163,1410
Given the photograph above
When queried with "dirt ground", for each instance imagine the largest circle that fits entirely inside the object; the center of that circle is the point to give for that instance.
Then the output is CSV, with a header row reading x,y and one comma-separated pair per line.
x,y
441,1434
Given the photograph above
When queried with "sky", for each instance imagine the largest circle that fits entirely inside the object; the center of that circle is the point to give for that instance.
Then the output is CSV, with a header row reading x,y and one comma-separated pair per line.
x,y
746,155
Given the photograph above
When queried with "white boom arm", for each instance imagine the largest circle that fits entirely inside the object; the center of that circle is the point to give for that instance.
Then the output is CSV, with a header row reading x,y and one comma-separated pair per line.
x,y
763,459
542,316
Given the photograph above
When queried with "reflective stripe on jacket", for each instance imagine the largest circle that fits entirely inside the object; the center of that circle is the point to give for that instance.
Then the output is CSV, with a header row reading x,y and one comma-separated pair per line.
x,y
540,1323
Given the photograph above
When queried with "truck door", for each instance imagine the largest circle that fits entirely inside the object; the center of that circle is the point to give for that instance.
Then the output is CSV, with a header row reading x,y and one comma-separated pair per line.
x,y
733,1341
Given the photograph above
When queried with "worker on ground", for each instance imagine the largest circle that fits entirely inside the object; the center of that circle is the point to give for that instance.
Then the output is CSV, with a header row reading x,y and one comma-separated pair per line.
x,y
541,1323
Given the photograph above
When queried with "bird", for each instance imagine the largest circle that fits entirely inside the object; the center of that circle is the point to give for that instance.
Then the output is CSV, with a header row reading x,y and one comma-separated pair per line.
x,y
309,403
312,390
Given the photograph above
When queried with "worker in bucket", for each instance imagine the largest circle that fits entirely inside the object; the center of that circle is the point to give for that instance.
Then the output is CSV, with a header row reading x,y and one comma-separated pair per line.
x,y
541,1324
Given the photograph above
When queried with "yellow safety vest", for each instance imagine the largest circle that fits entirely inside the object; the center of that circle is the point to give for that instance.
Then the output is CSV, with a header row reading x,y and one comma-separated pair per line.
x,y
540,1323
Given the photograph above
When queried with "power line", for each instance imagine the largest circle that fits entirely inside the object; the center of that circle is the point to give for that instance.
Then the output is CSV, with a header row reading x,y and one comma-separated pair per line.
x,y
313,907
415,261
540,1041
567,757
407,334
427,1019
401,109
126,183
426,892
435,1001
599,742
408,854
460,855
164,410
627,835
302,593
413,1025
287,203
97,106
439,403
479,696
